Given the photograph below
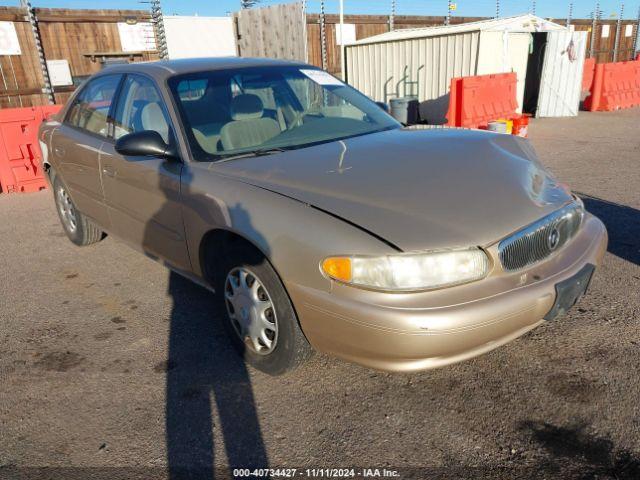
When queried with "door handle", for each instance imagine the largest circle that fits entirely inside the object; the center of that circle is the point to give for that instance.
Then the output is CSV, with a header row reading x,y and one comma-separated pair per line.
x,y
109,171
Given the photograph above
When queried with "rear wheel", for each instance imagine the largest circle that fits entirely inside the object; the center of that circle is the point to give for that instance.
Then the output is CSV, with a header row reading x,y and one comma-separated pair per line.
x,y
80,229
259,316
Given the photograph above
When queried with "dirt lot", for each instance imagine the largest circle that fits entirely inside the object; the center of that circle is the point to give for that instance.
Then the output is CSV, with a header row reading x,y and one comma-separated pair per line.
x,y
110,367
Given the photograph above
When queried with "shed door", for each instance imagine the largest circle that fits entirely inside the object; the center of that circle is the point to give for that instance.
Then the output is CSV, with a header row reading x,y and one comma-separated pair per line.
x,y
561,82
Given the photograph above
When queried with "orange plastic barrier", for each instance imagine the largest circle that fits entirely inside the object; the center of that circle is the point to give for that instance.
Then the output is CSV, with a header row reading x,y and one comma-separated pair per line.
x,y
588,73
475,101
521,125
20,155
615,86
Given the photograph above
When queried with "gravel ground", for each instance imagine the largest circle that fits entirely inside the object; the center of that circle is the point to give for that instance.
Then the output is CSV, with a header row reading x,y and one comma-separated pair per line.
x,y
87,389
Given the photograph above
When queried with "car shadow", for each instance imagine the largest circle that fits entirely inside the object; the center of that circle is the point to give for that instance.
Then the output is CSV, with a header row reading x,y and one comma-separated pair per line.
x,y
203,368
581,455
623,225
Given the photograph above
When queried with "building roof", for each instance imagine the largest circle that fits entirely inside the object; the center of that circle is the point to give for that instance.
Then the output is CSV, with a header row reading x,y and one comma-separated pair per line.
x,y
519,23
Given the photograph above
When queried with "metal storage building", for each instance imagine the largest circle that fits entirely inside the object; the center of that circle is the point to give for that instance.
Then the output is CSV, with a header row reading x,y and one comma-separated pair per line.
x,y
421,62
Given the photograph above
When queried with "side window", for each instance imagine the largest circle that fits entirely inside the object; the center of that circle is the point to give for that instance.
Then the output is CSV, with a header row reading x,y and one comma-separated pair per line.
x,y
140,108
90,110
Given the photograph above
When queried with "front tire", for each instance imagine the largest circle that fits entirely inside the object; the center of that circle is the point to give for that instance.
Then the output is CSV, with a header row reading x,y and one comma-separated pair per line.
x,y
80,229
258,314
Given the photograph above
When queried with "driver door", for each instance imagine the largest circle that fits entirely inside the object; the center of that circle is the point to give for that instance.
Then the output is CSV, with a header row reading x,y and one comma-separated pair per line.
x,y
143,193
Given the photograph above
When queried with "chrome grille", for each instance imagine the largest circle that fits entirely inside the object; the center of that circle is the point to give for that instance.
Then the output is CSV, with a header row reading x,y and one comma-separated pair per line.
x,y
540,239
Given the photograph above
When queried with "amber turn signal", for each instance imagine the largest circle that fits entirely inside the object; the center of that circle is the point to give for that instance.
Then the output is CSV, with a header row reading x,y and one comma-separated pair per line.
x,y
338,268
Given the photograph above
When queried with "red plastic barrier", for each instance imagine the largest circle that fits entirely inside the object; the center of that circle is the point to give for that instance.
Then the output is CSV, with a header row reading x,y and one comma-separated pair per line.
x,y
455,102
49,111
588,73
20,155
615,86
475,101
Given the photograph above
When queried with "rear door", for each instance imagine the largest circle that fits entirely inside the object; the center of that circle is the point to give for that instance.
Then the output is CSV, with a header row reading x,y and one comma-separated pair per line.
x,y
143,193
561,81
77,142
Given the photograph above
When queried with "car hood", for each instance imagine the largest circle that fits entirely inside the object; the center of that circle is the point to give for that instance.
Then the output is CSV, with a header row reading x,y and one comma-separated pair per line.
x,y
418,189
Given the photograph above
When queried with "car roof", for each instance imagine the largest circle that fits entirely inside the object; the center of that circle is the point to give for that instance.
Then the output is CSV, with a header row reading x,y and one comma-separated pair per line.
x,y
162,69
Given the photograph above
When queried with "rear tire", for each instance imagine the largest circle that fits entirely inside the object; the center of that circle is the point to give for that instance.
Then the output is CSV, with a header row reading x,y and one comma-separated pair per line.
x,y
80,229
246,285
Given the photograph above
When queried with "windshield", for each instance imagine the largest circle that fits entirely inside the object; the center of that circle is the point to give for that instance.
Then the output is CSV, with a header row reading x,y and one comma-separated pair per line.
x,y
231,112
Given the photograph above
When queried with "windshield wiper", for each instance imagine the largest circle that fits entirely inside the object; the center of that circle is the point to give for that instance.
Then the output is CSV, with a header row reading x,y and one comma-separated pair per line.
x,y
260,152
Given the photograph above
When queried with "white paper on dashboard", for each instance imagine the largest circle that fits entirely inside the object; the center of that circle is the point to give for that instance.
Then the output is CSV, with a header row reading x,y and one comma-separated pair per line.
x,y
321,77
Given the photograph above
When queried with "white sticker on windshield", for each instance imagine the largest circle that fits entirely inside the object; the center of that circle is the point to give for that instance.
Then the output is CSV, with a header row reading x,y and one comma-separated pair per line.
x,y
321,77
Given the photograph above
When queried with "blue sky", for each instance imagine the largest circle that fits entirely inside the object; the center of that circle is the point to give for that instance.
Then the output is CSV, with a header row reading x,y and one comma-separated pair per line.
x,y
545,8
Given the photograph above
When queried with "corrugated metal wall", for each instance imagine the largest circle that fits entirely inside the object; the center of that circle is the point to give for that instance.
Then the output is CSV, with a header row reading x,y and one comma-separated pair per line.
x,y
422,67
561,81
366,26
502,52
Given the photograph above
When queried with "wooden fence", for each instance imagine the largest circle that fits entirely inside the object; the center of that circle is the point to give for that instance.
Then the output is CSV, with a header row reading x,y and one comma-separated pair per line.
x,y
277,31
82,37
604,46
369,25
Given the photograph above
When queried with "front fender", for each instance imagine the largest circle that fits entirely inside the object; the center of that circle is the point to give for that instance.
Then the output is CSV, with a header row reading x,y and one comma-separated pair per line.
x,y
294,236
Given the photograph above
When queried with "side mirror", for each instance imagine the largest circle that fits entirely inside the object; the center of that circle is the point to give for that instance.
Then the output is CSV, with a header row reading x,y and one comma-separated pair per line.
x,y
147,143
383,106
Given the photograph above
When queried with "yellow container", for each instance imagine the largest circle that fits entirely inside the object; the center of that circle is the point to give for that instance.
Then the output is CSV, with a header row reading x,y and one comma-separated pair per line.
x,y
501,126
508,124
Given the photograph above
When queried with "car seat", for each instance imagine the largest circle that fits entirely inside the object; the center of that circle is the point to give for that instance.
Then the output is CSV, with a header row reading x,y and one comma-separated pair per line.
x,y
248,127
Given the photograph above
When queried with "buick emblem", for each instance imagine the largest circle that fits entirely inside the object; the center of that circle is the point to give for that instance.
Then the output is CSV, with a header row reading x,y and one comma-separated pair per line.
x,y
553,240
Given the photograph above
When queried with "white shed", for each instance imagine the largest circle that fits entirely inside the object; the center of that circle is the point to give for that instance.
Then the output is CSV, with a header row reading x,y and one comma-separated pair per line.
x,y
422,61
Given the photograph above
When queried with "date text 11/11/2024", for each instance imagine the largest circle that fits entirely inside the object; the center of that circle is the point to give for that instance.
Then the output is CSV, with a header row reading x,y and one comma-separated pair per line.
x,y
315,473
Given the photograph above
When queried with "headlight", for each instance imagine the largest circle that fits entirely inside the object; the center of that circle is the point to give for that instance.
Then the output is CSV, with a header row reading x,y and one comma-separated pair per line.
x,y
421,271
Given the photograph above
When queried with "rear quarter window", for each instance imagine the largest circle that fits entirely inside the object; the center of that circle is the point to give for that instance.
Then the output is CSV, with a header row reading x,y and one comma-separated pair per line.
x,y
90,109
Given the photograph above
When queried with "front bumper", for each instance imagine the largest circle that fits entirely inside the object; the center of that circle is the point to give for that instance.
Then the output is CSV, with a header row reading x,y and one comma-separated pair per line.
x,y
418,331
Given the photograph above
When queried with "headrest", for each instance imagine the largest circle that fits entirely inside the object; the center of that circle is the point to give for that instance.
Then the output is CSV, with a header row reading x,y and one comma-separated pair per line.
x,y
246,106
152,118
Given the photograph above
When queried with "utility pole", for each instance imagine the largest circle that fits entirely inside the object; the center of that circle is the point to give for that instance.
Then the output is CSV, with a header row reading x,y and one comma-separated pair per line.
x,y
570,16
158,25
392,17
594,25
323,36
33,20
306,28
342,37
616,45
635,41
